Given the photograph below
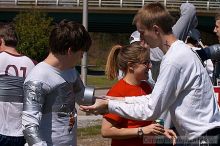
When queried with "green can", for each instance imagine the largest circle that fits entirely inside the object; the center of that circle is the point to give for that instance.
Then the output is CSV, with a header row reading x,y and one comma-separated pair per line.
x,y
160,121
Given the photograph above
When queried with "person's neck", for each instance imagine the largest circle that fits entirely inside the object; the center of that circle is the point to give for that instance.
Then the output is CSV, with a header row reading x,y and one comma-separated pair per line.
x,y
130,79
10,50
58,61
167,40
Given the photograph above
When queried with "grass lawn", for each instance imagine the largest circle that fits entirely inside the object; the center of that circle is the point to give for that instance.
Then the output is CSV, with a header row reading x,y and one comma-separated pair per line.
x,y
91,136
88,131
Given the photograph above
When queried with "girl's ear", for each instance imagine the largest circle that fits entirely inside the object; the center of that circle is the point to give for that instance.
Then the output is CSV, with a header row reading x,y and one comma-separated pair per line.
x,y
130,66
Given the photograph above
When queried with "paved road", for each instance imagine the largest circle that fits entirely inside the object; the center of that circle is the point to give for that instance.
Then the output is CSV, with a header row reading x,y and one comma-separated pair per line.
x,y
98,92
88,120
84,120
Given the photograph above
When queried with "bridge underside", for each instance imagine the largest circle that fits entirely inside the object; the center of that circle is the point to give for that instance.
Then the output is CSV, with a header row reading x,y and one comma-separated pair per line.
x,y
107,22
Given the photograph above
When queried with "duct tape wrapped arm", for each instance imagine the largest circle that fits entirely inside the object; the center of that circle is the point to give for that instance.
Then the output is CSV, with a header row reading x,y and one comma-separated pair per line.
x,y
34,98
78,89
83,95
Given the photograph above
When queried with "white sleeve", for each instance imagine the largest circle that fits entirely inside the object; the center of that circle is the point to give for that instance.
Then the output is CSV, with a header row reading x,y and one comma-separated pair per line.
x,y
186,22
136,99
163,95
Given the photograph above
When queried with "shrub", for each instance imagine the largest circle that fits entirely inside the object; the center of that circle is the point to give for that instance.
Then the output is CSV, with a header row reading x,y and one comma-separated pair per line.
x,y
33,29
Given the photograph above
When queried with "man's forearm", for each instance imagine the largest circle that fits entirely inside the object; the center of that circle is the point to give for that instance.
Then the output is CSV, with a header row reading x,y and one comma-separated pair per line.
x,y
32,136
137,99
32,112
136,111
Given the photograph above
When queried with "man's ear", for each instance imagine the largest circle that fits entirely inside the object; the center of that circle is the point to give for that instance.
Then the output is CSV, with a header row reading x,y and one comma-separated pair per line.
x,y
156,29
69,51
2,42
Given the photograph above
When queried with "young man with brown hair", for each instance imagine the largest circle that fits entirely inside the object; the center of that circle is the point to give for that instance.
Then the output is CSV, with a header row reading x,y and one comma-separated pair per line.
x,y
53,87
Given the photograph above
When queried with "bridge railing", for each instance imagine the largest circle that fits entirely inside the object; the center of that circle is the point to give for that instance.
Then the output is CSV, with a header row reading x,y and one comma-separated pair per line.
x,y
170,4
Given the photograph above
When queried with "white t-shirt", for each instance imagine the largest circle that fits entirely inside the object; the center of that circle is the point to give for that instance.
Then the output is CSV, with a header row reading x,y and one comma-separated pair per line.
x,y
156,54
15,65
10,112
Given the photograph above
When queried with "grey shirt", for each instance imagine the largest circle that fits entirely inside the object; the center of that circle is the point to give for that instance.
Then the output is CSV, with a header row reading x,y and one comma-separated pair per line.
x,y
49,105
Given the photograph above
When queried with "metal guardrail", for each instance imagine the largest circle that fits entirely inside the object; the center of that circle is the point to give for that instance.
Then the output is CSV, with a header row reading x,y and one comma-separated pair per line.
x,y
170,4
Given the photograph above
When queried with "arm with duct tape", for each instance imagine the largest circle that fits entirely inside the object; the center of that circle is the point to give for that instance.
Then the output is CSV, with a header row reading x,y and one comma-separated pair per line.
x,y
83,95
34,98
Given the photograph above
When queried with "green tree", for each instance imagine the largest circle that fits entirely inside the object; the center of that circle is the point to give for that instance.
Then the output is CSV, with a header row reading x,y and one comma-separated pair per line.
x,y
33,29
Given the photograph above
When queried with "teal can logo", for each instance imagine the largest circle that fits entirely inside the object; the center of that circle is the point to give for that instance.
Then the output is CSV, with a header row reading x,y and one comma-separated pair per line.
x,y
159,121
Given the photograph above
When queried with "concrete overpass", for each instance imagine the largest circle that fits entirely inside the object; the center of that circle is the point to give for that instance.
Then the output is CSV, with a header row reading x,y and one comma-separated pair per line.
x,y
105,15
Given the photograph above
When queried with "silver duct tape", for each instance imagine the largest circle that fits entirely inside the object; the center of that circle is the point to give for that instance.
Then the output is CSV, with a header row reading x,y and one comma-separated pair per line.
x,y
89,98
60,99
62,110
32,135
78,89
33,96
16,99
11,89
31,107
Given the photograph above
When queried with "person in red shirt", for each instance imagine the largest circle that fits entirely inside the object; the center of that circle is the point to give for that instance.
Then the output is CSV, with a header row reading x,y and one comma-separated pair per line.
x,y
134,61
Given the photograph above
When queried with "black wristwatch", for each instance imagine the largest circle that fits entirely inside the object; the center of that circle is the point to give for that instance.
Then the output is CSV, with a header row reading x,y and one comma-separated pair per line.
x,y
140,132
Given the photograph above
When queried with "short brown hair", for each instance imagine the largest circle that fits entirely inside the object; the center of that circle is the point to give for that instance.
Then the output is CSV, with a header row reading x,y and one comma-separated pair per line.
x,y
69,34
155,14
8,34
